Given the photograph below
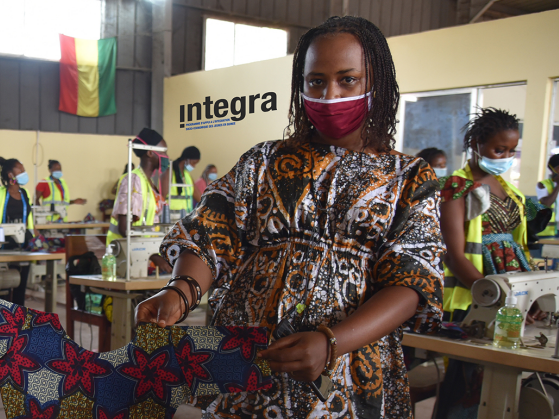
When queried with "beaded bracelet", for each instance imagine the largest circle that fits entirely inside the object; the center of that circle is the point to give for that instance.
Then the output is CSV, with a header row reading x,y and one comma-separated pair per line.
x,y
329,368
183,296
194,288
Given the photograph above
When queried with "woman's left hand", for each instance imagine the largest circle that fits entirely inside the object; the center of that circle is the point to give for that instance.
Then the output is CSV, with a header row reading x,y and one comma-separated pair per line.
x,y
302,355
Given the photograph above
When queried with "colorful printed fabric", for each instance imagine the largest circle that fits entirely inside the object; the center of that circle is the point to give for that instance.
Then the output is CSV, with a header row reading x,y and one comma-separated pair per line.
x,y
268,233
455,187
501,254
44,374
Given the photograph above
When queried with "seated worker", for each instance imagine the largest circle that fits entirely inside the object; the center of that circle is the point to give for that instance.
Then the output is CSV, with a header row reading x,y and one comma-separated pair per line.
x,y
184,197
547,192
54,190
147,202
15,207
436,159
484,226
208,176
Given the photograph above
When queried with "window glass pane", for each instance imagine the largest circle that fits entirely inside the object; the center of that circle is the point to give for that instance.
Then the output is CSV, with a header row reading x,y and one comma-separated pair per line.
x,y
31,27
554,121
220,44
436,121
256,44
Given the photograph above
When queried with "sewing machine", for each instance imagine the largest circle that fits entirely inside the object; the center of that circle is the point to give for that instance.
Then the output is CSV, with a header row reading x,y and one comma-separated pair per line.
x,y
141,250
16,231
489,293
10,278
44,213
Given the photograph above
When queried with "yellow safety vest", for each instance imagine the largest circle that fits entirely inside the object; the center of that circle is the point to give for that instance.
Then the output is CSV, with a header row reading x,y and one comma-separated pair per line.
x,y
56,197
185,200
551,229
3,193
456,296
149,206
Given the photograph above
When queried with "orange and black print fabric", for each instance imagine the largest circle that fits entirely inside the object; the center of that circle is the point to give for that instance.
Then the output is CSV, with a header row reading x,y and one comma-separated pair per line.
x,y
324,228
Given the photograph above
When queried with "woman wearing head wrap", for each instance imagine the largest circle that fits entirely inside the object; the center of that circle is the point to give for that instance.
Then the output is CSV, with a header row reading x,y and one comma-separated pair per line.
x,y
147,202
54,190
182,196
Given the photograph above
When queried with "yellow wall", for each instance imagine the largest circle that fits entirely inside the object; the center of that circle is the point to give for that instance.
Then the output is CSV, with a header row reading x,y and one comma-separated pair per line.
x,y
91,163
502,51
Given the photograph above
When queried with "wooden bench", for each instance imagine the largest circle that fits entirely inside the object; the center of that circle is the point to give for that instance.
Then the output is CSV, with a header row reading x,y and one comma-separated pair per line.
x,y
78,245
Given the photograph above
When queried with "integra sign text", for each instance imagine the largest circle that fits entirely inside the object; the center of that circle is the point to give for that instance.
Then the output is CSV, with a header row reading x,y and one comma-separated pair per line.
x,y
236,108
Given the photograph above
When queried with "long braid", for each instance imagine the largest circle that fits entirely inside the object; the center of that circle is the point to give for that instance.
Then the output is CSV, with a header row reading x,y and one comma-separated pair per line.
x,y
486,123
380,127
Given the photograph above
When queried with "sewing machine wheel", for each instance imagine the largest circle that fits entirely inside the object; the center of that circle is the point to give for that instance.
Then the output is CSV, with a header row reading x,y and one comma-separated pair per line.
x,y
486,292
539,406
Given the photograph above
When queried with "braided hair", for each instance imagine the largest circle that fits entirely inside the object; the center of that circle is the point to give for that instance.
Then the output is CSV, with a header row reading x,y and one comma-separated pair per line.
x,y
429,154
7,166
486,123
379,132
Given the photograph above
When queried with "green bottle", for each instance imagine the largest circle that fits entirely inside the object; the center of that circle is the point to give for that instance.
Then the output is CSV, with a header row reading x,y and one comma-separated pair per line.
x,y
508,324
108,266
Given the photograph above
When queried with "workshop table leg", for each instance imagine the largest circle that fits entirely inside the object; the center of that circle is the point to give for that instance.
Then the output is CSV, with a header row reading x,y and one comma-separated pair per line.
x,y
121,327
51,287
500,392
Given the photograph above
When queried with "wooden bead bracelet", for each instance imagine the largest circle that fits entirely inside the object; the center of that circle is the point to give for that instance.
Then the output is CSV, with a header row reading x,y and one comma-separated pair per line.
x,y
329,368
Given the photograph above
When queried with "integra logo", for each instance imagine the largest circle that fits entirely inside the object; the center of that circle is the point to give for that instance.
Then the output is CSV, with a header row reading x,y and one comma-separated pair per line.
x,y
221,107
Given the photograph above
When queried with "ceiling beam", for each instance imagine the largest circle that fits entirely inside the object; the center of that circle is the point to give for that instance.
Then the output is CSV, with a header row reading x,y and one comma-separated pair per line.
x,y
482,11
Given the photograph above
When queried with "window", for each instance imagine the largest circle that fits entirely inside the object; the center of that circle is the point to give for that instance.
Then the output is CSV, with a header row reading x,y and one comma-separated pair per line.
x,y
436,119
230,43
31,27
554,121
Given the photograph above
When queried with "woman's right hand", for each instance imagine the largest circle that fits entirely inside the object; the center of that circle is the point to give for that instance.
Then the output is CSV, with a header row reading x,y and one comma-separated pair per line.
x,y
163,309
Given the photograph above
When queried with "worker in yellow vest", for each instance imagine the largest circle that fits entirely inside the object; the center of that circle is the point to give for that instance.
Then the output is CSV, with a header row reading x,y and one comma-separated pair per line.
x,y
547,192
147,202
484,226
183,197
15,207
483,217
54,190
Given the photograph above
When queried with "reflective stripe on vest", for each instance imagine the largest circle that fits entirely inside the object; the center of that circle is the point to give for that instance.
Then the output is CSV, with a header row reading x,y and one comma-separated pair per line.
x,y
149,206
56,197
184,201
551,229
3,193
456,296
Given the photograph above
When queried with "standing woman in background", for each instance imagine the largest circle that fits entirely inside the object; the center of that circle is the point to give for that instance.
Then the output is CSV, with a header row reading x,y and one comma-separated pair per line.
x,y
15,207
484,225
182,198
330,231
208,176
436,159
54,190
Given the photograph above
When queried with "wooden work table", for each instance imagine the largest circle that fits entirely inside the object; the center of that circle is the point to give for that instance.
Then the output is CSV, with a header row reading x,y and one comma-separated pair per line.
x,y
122,292
69,226
8,256
503,368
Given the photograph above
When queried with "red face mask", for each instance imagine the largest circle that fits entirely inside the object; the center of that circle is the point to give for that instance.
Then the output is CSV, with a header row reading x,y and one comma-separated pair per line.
x,y
336,118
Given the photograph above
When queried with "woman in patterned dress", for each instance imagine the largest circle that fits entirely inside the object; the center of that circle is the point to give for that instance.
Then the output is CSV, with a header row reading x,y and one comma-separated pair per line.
x,y
330,226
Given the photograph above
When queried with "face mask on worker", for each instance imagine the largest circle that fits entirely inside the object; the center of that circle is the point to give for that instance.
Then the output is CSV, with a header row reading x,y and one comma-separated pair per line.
x,y
336,118
22,178
440,171
212,176
494,167
57,174
163,162
189,167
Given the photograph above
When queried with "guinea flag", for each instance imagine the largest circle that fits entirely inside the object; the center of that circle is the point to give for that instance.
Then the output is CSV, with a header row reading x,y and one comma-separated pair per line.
x,y
87,76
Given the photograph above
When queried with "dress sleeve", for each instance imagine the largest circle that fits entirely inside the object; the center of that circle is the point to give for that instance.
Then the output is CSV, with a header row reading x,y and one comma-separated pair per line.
x,y
121,200
412,250
217,230
455,187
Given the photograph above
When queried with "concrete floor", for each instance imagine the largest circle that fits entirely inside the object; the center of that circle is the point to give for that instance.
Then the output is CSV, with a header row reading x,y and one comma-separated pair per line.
x,y
87,337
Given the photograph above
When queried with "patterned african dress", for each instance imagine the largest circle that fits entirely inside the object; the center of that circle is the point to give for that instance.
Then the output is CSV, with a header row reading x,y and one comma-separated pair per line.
x,y
295,220
500,252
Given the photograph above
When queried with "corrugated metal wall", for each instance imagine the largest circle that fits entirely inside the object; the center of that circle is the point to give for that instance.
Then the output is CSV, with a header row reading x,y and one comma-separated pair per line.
x,y
29,88
394,17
